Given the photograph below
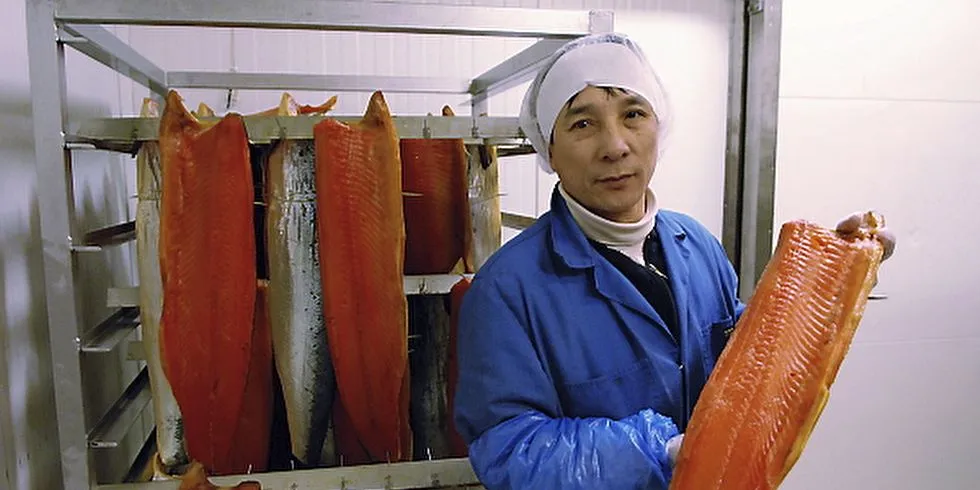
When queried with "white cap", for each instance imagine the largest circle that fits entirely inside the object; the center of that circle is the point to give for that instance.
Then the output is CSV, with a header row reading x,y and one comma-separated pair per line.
x,y
599,60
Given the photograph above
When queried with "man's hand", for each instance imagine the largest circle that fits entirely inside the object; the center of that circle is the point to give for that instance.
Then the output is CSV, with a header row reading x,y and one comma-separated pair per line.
x,y
869,223
674,449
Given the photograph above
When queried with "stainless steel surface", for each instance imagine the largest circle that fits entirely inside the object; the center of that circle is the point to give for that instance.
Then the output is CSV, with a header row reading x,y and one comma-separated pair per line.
x,y
117,422
732,204
111,235
761,111
514,70
414,285
447,473
123,297
126,131
104,47
106,336
55,200
335,16
166,412
516,221
299,333
334,83
432,284
601,21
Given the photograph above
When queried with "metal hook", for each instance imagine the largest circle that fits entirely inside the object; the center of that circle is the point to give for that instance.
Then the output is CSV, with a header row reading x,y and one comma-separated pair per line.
x,y
249,470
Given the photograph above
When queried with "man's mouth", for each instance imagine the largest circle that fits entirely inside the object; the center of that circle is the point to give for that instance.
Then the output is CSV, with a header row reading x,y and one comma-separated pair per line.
x,y
615,178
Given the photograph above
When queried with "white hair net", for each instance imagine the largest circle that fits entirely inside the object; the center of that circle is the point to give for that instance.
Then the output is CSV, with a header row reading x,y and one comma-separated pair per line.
x,y
599,60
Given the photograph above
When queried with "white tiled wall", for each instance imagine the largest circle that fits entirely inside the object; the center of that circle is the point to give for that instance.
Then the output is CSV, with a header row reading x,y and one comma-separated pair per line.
x,y
879,107
687,40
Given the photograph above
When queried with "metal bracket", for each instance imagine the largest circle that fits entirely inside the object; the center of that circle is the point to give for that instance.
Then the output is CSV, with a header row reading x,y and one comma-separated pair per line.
x,y
755,7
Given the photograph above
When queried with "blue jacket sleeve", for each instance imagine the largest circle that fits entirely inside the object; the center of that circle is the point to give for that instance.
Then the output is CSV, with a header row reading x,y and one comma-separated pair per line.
x,y
508,411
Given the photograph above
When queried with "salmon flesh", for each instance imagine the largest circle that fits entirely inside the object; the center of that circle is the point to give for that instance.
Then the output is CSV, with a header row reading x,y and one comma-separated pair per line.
x,y
437,211
171,453
208,271
771,382
361,241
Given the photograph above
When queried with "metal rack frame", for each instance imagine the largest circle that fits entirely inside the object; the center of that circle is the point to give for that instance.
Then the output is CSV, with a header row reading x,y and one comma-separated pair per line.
x,y
54,24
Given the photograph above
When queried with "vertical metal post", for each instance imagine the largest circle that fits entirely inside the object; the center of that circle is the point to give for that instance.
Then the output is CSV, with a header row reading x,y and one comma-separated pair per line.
x,y
764,25
55,205
732,205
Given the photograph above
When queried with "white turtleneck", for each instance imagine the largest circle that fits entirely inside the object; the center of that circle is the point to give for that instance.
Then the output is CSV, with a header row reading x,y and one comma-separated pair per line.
x,y
627,238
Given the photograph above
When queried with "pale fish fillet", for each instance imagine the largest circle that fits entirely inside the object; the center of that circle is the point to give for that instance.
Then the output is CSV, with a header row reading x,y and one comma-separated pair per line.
x,y
171,453
766,393
299,335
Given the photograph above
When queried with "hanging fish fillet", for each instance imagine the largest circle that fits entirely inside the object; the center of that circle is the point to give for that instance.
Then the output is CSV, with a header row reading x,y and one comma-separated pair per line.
x,y
457,446
771,383
207,258
362,239
437,222
171,453
430,411
296,298
484,195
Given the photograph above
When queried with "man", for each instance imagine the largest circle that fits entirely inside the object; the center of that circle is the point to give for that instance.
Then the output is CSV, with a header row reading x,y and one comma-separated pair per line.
x,y
585,341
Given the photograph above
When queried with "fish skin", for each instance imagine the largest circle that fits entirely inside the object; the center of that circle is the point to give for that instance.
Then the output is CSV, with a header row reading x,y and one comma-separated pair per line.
x,y
171,452
437,221
296,301
362,239
769,387
207,237
430,410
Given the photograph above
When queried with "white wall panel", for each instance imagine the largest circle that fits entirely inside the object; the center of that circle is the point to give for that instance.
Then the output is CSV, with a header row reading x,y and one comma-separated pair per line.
x,y
878,109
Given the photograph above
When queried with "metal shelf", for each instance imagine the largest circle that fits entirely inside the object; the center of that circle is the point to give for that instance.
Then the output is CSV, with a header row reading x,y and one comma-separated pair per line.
x,y
443,473
117,422
124,133
111,332
78,24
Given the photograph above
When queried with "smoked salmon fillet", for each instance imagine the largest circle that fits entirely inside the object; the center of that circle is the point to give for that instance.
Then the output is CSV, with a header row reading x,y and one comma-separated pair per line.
x,y
361,243
437,221
771,382
457,446
208,272
171,453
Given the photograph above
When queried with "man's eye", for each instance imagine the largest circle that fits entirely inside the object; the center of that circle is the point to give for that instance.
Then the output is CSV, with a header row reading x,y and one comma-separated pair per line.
x,y
580,124
632,114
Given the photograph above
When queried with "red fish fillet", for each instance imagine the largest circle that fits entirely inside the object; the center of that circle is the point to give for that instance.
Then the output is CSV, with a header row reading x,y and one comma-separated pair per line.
x,y
362,239
456,444
207,248
437,222
771,383
252,436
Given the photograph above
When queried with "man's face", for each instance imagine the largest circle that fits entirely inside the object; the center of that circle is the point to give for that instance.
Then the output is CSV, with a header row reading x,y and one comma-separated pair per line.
x,y
604,151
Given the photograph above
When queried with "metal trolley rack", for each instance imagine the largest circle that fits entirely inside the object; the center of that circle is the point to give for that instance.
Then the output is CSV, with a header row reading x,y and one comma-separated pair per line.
x,y
55,24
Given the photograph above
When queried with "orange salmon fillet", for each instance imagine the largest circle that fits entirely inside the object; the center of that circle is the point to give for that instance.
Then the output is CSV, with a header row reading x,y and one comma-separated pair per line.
x,y
772,381
362,239
437,222
457,446
207,263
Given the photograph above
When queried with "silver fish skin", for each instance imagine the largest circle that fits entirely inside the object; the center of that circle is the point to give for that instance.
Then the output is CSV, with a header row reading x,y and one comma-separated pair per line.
x,y
171,451
428,358
299,334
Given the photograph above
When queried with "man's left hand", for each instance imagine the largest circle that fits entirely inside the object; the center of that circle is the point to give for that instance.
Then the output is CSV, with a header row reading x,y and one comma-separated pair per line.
x,y
861,221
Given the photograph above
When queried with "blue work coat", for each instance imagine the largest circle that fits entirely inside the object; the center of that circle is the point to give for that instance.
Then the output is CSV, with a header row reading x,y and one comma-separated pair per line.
x,y
568,378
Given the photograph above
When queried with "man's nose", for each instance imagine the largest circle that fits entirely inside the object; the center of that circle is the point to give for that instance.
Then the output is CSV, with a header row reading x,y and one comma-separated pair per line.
x,y
613,143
